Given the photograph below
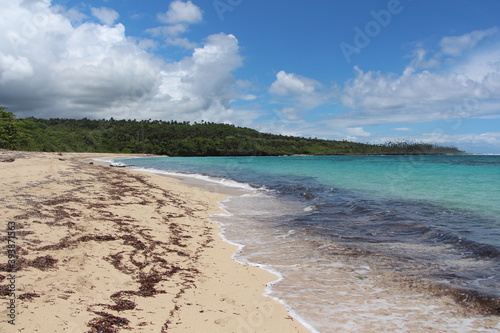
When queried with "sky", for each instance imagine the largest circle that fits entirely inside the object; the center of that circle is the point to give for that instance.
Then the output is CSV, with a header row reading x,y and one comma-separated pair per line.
x,y
360,70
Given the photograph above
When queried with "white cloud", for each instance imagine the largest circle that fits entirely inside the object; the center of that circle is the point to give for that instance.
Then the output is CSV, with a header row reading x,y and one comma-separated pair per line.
x,y
300,93
290,113
49,68
146,44
181,12
12,68
73,14
491,138
182,42
482,143
480,66
357,131
201,84
167,30
449,48
248,97
177,20
419,96
456,45
105,15
467,88
291,84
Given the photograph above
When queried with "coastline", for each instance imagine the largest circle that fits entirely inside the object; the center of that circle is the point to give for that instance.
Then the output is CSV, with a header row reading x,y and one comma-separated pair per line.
x,y
378,299
102,248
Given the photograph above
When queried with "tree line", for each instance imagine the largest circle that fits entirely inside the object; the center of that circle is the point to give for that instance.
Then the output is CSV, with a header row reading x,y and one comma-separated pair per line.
x,y
178,139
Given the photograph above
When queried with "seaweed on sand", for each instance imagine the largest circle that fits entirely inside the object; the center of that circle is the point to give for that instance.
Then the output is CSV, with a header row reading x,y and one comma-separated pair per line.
x,y
43,263
107,323
28,296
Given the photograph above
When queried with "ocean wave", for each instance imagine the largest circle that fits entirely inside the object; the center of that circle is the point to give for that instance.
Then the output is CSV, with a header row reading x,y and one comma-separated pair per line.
x,y
218,180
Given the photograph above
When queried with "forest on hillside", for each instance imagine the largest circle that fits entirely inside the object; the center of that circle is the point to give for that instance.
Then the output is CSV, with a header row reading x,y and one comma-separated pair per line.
x,y
178,139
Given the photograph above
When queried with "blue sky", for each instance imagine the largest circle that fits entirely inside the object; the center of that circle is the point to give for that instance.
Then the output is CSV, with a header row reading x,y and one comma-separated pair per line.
x,y
361,70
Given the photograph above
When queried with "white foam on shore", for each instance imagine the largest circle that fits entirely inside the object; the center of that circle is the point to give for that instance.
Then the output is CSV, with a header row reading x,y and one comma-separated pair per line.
x,y
104,160
219,180
240,259
332,296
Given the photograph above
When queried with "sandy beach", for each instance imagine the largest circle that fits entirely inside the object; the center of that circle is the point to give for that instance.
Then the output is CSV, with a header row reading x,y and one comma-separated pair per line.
x,y
95,248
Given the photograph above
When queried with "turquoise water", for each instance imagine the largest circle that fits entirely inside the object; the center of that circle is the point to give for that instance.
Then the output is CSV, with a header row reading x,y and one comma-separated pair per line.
x,y
426,223
468,182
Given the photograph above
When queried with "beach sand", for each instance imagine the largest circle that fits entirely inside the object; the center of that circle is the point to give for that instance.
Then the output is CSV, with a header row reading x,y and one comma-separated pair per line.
x,y
104,249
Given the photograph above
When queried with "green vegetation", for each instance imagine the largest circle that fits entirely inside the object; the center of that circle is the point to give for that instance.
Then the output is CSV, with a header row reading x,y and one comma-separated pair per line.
x,y
177,139
10,135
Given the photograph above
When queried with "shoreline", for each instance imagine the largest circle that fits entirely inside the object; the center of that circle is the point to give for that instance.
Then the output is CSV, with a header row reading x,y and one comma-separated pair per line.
x,y
362,278
102,248
231,189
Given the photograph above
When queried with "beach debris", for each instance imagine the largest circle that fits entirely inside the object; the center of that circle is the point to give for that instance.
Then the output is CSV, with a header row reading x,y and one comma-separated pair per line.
x,y
133,241
28,296
148,282
5,290
67,242
107,323
8,160
151,262
43,263
122,305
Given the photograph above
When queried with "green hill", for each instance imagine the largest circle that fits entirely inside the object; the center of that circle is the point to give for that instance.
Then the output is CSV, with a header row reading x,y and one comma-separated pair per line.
x,y
178,139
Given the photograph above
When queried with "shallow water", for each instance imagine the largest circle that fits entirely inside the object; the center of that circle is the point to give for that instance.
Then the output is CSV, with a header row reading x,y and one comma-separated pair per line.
x,y
366,243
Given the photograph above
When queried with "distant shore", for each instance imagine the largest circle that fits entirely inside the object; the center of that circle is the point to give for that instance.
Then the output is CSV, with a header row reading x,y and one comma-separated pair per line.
x,y
96,248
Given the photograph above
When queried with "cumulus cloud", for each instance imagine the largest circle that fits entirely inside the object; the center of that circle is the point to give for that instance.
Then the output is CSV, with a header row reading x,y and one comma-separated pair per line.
x,y
357,131
300,93
419,96
202,83
105,15
176,21
50,68
288,84
181,12
14,68
73,14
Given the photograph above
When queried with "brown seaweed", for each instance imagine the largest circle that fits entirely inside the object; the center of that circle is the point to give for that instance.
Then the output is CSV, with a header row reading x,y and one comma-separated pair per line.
x,y
107,323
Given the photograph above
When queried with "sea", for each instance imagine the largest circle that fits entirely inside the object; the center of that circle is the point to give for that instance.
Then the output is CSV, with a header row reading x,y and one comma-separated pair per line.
x,y
363,243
